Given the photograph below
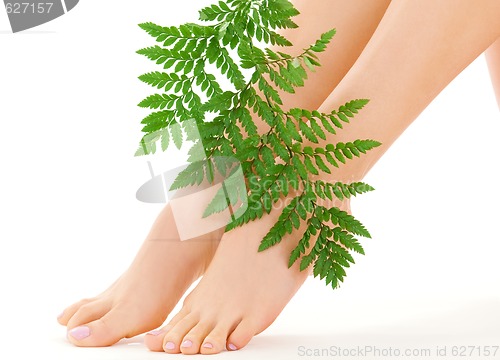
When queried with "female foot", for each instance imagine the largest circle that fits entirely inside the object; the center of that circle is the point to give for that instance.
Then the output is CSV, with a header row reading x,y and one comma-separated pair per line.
x,y
240,295
141,299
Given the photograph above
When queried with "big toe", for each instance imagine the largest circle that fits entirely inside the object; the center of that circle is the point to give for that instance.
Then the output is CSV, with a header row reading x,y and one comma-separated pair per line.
x,y
241,336
154,339
104,331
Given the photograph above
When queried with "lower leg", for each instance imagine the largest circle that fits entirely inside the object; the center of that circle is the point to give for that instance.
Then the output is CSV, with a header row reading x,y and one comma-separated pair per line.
x,y
493,58
354,20
418,48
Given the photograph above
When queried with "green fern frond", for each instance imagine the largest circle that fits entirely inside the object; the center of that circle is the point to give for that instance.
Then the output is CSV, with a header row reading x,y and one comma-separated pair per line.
x,y
196,59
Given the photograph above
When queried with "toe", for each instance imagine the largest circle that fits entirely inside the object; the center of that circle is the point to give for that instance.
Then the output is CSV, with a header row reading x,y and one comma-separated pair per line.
x,y
241,336
173,338
215,341
105,331
64,317
87,313
192,342
154,339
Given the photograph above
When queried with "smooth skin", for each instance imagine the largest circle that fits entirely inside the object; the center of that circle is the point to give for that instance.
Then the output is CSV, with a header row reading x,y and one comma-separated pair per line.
x,y
142,298
418,48
121,311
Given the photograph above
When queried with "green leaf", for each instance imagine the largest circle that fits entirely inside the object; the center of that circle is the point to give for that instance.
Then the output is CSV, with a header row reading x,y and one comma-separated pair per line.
x,y
317,129
309,63
310,166
267,155
308,133
321,164
340,157
306,262
348,240
165,139
157,120
218,204
348,222
327,36
158,101
177,135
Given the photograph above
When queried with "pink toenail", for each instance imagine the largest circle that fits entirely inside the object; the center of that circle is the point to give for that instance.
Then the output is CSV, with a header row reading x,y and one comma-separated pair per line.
x,y
232,347
80,332
169,346
187,344
208,346
154,332
60,315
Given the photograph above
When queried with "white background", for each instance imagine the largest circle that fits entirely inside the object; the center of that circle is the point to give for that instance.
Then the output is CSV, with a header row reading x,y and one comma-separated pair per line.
x,y
70,223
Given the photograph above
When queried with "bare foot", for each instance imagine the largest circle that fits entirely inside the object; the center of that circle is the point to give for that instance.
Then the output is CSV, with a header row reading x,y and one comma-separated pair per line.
x,y
141,299
241,294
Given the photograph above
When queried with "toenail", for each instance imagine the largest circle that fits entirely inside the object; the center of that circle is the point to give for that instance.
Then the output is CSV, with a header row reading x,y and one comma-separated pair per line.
x,y
208,346
154,332
80,332
169,346
232,347
60,315
187,344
